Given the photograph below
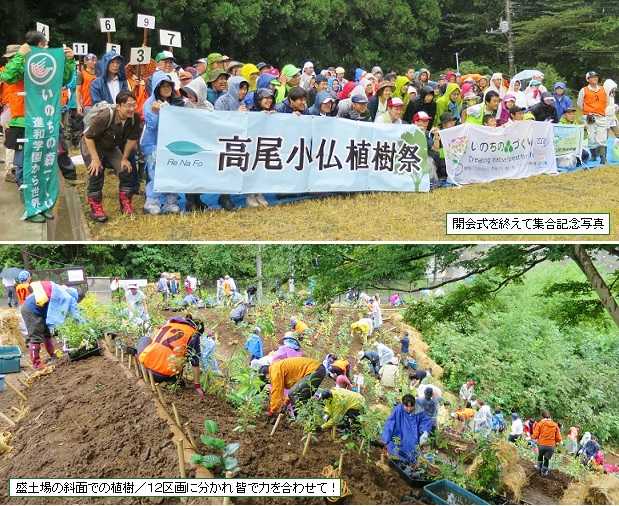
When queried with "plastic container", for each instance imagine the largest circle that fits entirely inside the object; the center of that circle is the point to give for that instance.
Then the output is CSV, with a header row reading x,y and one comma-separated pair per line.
x,y
9,359
81,354
447,492
2,383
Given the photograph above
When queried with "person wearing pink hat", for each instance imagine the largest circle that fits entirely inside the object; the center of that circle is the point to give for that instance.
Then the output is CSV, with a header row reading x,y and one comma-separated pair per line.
x,y
395,109
421,120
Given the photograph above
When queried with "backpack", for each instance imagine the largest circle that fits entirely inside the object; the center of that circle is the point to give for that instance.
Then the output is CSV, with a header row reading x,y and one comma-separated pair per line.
x,y
96,109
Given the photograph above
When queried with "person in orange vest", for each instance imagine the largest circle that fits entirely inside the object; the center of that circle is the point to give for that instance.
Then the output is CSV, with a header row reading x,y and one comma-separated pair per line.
x,y
13,74
177,341
548,435
22,290
592,101
85,77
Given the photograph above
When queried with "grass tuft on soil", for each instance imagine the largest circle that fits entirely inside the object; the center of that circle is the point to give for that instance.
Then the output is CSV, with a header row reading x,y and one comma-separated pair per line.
x,y
370,216
602,489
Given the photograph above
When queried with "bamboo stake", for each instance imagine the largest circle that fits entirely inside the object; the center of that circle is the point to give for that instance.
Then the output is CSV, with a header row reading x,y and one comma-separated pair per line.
x,y
160,395
152,380
144,376
279,417
229,474
15,389
116,352
307,443
176,417
181,457
24,384
333,433
190,437
339,467
122,357
7,419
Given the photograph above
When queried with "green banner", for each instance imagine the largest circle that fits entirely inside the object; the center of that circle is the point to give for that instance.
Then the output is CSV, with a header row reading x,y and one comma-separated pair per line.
x,y
43,84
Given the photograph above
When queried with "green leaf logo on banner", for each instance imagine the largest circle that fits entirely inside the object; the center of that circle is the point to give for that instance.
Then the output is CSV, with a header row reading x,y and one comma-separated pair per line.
x,y
508,147
184,148
41,69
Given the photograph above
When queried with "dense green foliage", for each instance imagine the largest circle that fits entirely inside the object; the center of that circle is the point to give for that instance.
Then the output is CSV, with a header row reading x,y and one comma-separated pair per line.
x,y
523,356
574,36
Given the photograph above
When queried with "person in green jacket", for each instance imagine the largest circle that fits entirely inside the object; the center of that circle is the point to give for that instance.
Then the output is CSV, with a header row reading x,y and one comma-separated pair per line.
x,y
476,113
289,78
13,73
450,102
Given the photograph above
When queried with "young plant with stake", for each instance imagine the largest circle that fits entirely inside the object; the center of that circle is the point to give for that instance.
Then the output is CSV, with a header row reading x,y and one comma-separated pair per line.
x,y
309,416
223,459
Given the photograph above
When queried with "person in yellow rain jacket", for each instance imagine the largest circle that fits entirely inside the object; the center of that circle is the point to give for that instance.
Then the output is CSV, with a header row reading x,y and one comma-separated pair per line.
x,y
298,326
341,407
301,375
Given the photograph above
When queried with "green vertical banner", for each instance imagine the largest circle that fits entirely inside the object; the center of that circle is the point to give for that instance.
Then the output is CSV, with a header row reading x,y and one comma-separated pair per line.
x,y
43,85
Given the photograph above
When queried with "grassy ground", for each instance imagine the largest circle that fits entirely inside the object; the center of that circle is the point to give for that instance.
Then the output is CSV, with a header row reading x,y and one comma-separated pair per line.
x,y
374,216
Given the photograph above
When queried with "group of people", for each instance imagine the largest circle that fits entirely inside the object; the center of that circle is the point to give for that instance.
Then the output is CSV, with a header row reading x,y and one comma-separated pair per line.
x,y
115,114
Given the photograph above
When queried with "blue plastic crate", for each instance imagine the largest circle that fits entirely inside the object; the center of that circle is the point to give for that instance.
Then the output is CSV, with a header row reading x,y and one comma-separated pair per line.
x,y
9,359
447,492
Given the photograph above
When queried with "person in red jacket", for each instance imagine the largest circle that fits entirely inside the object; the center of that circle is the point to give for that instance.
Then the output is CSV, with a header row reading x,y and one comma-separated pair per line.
x,y
548,435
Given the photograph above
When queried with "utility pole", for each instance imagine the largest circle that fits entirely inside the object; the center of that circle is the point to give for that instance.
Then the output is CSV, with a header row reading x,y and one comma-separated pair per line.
x,y
510,37
457,62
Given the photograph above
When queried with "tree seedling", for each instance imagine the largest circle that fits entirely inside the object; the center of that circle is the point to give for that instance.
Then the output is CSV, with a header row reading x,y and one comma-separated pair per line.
x,y
223,459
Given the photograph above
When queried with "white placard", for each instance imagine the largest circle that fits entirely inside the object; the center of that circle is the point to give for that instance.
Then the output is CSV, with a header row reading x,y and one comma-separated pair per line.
x,y
140,55
170,38
44,29
75,275
145,21
80,48
107,25
112,47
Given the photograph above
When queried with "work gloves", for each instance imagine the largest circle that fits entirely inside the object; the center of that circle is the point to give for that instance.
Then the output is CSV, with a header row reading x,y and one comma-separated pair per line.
x,y
423,439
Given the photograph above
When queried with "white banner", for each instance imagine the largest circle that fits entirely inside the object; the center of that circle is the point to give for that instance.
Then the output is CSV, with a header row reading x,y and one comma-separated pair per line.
x,y
478,154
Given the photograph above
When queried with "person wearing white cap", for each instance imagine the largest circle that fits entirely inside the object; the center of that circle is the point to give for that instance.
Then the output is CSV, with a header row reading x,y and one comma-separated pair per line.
x,y
592,101
307,75
200,65
395,109
339,74
136,302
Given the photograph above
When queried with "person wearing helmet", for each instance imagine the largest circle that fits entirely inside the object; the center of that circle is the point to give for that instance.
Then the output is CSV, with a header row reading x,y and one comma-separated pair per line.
x,y
254,345
592,101
47,307
23,287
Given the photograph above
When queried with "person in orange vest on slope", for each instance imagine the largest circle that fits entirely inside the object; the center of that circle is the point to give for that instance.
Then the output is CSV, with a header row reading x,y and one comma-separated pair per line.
x,y
177,341
592,101
22,290
548,436
86,75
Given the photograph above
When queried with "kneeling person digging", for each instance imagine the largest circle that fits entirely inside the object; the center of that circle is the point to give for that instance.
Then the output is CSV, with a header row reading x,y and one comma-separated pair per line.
x,y
110,140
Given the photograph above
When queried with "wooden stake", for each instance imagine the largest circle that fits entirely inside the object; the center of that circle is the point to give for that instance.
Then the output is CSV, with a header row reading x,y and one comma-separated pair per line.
x,y
160,395
190,437
361,446
24,384
339,467
181,457
7,419
229,474
279,417
307,443
15,389
176,417
333,433
152,380
122,357
116,352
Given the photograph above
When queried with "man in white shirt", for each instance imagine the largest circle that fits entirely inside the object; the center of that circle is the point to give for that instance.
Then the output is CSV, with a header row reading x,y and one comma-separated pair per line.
x,y
517,428
136,302
467,390
483,418
9,289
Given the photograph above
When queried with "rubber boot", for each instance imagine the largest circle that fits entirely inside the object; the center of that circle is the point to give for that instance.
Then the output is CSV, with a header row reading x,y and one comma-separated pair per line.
x,y
602,152
194,203
35,358
50,347
124,199
96,208
226,202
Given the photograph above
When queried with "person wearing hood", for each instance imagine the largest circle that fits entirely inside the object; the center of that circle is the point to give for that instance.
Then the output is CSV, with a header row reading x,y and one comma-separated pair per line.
x,y
47,307
533,93
250,72
610,87
378,103
450,102
324,105
254,345
562,101
482,84
503,114
296,103
110,79
196,95
264,81
289,78
232,100
334,86
264,100
217,81
545,110
515,88
423,79
426,103
307,75
496,84
163,95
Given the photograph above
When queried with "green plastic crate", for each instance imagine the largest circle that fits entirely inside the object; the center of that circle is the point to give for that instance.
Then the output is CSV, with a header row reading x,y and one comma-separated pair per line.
x,y
9,359
447,492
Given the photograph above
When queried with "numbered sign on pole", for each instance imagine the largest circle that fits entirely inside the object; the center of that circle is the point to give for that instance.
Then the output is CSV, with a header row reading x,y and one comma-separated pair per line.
x,y
112,47
145,21
80,48
107,25
44,29
169,38
140,55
